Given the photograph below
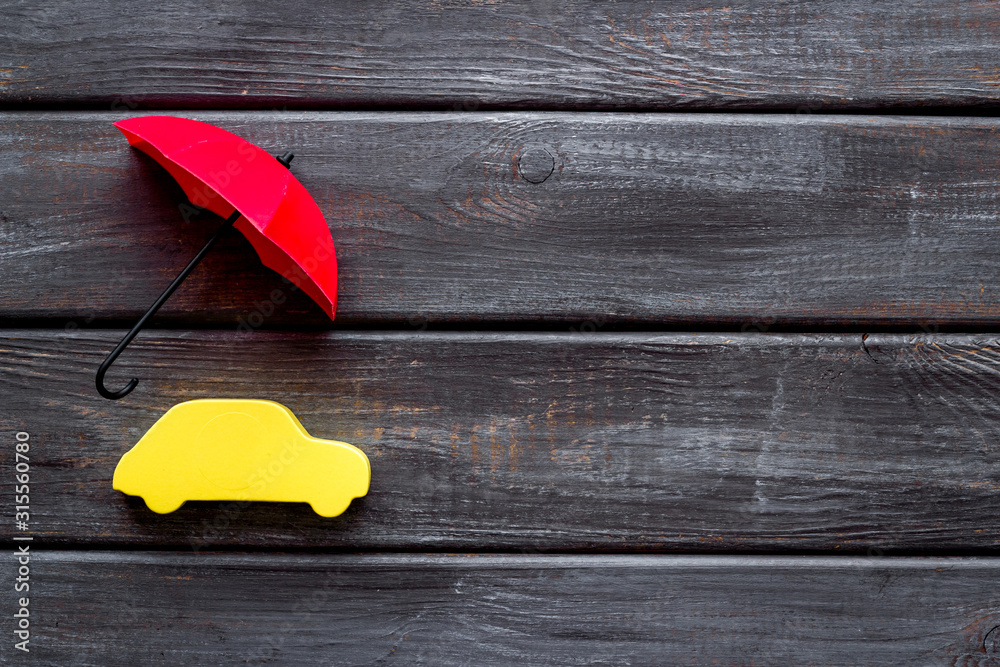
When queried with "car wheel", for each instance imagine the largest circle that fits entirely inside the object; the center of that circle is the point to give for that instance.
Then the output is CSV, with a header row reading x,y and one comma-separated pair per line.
x,y
163,505
330,509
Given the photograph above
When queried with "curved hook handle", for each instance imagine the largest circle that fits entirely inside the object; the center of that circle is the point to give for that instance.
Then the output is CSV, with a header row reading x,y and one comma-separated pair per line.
x,y
121,393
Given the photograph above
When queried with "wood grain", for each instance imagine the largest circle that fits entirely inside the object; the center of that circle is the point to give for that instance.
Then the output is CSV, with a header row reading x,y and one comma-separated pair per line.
x,y
668,220
575,54
113,608
583,442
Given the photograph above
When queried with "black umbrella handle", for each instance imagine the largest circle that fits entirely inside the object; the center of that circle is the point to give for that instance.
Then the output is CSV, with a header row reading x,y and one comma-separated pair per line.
x,y
285,160
121,393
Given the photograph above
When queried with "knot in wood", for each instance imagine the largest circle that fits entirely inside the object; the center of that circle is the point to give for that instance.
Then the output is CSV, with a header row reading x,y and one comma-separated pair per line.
x,y
535,164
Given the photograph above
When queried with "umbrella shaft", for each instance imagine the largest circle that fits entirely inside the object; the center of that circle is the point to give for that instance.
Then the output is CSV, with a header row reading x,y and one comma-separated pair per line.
x,y
152,311
180,277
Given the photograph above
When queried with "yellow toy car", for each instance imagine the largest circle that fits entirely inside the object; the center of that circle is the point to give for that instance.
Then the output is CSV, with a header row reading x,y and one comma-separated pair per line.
x,y
223,449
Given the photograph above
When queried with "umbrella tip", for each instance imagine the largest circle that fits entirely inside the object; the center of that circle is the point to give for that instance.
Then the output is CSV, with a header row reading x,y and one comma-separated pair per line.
x,y
285,159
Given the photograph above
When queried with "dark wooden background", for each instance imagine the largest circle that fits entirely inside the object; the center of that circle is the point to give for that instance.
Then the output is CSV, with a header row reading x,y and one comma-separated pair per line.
x,y
669,329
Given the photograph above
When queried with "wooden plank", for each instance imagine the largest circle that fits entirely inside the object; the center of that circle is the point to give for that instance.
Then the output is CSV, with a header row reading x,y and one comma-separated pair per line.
x,y
100,608
555,54
725,221
496,441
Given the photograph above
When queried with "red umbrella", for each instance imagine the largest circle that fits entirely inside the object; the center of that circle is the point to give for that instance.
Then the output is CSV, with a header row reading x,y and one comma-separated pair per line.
x,y
254,191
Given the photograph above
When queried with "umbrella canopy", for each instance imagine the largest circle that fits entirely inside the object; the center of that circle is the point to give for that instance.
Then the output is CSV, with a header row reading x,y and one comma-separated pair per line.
x,y
222,172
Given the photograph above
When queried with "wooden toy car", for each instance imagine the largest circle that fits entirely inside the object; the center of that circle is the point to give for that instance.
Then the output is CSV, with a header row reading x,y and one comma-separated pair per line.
x,y
223,449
